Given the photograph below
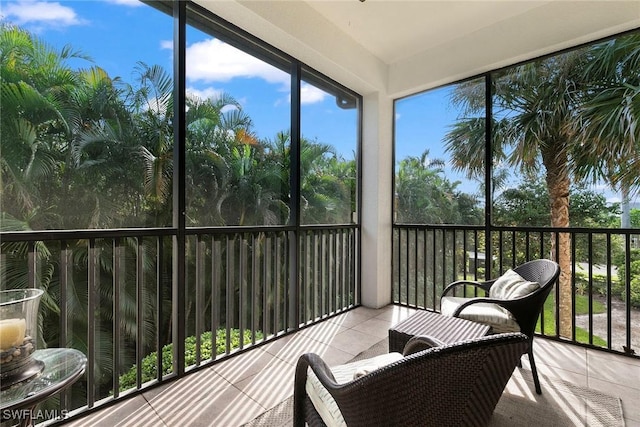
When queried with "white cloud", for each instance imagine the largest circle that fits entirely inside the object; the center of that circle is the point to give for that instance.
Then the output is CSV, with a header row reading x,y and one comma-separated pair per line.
x,y
613,199
130,3
166,44
308,95
41,12
311,94
210,93
214,61
206,93
228,108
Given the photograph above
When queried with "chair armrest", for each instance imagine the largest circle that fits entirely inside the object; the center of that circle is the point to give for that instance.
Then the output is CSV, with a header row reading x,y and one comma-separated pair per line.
x,y
322,371
485,286
476,300
419,343
504,303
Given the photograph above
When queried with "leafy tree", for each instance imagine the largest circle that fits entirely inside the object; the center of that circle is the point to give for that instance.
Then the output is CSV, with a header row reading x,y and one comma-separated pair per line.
x,y
635,218
84,150
53,173
528,204
609,113
540,125
591,210
425,196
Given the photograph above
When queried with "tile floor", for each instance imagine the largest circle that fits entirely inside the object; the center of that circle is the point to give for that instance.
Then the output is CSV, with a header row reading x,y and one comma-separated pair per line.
x,y
235,391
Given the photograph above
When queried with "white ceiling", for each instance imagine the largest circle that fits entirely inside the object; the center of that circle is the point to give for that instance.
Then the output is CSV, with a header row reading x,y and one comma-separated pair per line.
x,y
396,29
399,46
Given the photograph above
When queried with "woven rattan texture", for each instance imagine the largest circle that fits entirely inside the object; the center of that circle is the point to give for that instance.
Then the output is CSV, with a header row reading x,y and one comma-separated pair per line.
x,y
445,329
454,385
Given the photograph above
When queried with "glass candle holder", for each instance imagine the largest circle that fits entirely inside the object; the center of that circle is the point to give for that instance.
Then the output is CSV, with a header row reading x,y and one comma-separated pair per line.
x,y
18,335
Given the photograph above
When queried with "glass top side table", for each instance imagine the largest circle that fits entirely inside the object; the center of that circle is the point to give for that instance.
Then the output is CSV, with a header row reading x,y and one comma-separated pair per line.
x,y
62,367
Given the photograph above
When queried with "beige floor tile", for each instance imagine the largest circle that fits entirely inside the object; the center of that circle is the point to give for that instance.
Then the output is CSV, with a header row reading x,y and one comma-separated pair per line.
x,y
231,409
271,386
244,365
375,326
275,346
205,397
353,342
323,332
352,318
614,368
331,355
240,388
152,392
554,354
552,372
395,313
294,347
370,312
143,417
117,414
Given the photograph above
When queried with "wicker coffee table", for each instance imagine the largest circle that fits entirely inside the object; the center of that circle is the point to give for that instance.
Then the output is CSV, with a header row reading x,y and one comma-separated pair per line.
x,y
443,328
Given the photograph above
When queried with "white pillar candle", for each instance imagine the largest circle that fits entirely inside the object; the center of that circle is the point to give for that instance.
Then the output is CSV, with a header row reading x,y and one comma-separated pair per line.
x,y
12,333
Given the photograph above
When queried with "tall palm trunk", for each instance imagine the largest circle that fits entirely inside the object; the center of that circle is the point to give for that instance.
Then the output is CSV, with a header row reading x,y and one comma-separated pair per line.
x,y
625,206
558,183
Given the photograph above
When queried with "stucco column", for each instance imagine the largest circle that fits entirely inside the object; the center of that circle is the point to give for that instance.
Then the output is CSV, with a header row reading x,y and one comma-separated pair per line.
x,y
377,197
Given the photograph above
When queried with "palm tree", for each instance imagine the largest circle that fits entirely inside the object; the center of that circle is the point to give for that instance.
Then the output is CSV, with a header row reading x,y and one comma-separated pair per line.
x,y
534,111
38,94
424,194
610,114
66,135
251,195
574,116
36,88
325,190
230,179
327,187
150,103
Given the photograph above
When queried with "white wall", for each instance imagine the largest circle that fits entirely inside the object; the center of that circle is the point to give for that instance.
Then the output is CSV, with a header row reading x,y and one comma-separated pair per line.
x,y
377,197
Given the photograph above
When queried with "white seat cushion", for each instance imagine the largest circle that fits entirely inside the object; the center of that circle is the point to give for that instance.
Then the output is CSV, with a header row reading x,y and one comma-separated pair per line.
x,y
497,317
322,399
511,285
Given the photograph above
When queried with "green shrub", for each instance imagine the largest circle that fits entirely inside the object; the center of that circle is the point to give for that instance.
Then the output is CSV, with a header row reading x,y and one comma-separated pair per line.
x,y
149,363
598,283
634,297
634,270
620,288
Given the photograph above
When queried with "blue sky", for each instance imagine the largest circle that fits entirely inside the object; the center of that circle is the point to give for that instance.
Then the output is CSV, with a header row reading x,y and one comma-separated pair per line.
x,y
117,34
422,122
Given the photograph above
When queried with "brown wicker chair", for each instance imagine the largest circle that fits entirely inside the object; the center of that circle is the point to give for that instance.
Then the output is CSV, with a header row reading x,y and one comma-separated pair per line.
x,y
525,310
451,385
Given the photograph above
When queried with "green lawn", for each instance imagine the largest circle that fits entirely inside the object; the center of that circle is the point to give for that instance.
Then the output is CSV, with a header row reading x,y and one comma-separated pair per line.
x,y
582,307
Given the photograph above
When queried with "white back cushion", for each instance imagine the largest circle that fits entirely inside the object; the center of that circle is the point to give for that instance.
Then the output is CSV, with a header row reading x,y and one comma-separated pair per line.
x,y
493,315
511,285
321,398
